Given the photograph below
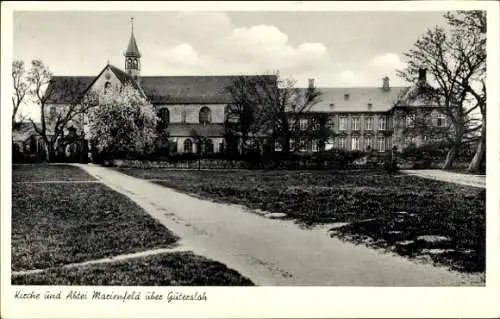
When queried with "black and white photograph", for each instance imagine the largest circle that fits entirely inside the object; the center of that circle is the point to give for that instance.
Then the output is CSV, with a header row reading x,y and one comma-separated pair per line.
x,y
154,151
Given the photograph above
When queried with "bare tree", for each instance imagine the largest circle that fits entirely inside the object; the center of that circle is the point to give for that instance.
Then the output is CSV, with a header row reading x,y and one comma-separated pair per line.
x,y
21,86
243,116
454,61
44,90
273,107
472,26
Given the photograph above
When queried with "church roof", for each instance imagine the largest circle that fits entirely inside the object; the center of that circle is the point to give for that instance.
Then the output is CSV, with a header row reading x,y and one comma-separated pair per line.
x,y
68,89
132,49
190,89
357,99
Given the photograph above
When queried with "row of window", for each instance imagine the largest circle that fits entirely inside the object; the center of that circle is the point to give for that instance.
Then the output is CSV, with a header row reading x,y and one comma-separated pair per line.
x,y
439,120
204,116
207,147
356,123
358,143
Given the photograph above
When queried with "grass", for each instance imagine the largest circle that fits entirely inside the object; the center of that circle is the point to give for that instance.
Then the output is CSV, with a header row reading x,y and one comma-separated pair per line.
x,y
368,200
46,172
169,269
55,224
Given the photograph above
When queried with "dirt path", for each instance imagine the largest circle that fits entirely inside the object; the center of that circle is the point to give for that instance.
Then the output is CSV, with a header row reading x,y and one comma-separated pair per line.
x,y
268,251
450,177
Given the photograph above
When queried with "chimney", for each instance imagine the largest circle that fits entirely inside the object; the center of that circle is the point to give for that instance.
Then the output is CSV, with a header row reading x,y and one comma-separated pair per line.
x,y
422,75
385,84
311,83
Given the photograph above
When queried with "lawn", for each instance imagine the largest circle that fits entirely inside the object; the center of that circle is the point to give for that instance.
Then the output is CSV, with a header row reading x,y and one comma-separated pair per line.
x,y
169,269
60,223
45,172
383,211
55,224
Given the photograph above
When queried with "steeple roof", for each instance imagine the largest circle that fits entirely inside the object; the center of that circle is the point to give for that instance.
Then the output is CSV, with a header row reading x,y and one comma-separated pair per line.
x,y
132,49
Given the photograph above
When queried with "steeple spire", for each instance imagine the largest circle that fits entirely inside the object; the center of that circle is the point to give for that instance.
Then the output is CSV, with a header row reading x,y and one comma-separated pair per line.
x,y
132,55
132,49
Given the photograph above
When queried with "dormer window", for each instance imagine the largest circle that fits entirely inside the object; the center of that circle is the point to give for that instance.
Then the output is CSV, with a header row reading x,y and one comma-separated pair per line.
x,y
346,96
370,105
332,105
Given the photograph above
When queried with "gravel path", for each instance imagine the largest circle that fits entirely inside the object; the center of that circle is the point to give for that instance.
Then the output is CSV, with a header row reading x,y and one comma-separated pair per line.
x,y
272,251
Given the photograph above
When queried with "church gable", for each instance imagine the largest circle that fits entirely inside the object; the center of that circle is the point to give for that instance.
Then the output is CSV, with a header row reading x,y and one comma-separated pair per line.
x,y
106,82
70,89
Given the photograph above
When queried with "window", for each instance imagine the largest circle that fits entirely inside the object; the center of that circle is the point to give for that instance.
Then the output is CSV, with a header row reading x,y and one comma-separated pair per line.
x,y
382,123
221,147
440,120
183,116
303,124
277,146
315,124
205,115
355,143
343,123
188,146
342,144
209,147
52,113
409,139
107,87
302,144
315,146
355,123
369,123
164,115
381,144
410,120
330,144
368,143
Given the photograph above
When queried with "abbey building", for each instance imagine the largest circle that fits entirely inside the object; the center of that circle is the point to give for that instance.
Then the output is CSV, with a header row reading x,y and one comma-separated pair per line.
x,y
362,118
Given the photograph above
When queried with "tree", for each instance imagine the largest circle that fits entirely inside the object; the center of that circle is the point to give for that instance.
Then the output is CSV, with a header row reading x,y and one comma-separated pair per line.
x,y
243,116
472,25
124,123
454,61
44,91
273,107
21,86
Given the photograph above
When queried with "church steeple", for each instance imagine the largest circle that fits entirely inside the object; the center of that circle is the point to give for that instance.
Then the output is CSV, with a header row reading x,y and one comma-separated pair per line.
x,y
132,55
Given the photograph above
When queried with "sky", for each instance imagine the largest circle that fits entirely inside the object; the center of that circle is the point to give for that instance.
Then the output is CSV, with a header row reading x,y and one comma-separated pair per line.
x,y
335,48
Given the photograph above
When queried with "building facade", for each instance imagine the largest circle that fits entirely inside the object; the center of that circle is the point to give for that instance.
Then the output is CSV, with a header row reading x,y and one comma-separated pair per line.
x,y
362,118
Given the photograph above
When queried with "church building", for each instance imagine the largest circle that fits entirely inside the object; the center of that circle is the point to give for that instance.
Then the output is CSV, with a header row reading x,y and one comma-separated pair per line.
x,y
362,118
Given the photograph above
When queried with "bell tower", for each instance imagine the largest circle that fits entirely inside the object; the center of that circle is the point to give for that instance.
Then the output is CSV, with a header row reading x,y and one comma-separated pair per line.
x,y
132,55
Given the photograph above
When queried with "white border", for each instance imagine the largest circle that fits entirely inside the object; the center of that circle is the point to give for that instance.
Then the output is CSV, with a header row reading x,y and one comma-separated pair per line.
x,y
269,301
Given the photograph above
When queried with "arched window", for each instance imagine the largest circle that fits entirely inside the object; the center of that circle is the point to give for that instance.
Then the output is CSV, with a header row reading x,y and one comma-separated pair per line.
x,y
209,147
164,116
205,115
188,146
107,87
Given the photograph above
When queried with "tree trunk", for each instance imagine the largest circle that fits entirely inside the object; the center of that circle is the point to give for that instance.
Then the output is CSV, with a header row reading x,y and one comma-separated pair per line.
x,y
51,153
450,157
475,164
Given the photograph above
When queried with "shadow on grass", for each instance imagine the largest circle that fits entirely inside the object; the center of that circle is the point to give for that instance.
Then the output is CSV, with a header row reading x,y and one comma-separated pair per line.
x,y
168,269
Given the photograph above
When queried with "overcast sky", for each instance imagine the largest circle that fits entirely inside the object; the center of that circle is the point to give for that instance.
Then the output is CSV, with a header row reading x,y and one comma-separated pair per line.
x,y
335,48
